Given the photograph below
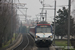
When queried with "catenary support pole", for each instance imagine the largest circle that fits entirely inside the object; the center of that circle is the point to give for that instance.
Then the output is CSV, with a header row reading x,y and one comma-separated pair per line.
x,y
69,7
11,19
54,20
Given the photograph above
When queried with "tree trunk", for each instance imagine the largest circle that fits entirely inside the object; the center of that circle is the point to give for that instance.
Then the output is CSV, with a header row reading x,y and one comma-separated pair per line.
x,y
74,36
5,39
0,42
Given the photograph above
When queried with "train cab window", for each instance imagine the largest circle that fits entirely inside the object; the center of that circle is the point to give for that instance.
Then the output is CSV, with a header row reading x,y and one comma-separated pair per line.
x,y
43,30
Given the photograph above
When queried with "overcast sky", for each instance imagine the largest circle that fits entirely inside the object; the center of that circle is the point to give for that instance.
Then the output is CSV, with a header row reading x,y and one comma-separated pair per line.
x,y
34,7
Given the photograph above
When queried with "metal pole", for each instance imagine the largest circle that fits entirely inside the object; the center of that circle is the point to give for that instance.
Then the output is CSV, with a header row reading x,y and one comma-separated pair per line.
x,y
54,19
40,17
42,9
69,23
16,16
26,15
36,19
46,16
11,19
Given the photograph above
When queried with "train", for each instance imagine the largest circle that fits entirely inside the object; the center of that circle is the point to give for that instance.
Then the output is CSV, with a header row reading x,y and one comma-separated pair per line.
x,y
42,34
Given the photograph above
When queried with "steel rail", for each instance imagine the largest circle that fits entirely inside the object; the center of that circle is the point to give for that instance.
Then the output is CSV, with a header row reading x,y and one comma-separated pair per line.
x,y
19,44
27,43
22,42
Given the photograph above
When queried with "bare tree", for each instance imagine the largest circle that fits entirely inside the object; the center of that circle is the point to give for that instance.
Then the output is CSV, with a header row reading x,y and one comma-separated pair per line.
x,y
5,23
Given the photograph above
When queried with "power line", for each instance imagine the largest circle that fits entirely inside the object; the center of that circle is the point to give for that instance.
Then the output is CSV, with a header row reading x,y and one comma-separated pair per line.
x,y
20,3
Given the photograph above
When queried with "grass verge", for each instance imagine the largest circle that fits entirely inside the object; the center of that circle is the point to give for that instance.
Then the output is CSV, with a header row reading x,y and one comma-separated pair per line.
x,y
62,43
8,42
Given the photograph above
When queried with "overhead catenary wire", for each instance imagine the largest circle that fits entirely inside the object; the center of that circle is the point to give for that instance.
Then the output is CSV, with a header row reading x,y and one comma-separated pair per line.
x,y
22,12
20,3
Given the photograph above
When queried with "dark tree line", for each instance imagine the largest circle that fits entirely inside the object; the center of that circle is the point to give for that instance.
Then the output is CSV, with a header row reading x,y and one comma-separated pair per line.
x,y
5,23
61,23
23,29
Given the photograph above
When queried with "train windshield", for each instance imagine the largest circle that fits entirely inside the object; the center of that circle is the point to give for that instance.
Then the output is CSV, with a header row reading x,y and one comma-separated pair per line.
x,y
43,30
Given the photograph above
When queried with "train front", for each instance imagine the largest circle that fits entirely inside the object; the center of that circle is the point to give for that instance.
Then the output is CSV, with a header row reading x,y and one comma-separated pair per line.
x,y
44,36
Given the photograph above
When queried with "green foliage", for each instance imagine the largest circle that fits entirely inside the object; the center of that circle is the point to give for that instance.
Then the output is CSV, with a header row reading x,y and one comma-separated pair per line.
x,y
61,43
61,23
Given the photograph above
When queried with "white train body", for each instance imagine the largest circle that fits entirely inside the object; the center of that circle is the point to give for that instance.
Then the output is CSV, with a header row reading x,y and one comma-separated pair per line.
x,y
43,34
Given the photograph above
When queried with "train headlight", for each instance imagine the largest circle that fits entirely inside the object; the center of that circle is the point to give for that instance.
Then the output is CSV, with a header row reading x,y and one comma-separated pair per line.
x,y
37,37
50,37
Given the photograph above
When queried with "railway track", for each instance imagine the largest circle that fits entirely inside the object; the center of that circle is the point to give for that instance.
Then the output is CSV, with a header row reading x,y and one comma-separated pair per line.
x,y
43,49
24,43
48,48
27,43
